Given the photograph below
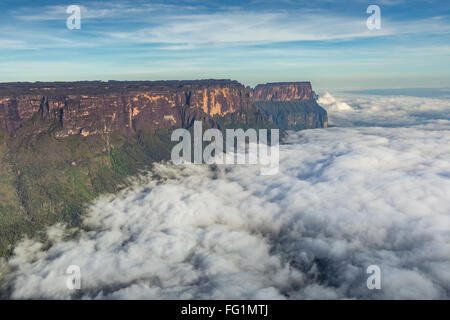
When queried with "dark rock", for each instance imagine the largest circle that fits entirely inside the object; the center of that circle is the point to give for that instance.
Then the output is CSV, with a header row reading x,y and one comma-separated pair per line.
x,y
290,105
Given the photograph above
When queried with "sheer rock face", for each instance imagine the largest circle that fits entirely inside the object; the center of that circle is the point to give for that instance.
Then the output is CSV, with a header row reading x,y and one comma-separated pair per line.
x,y
100,107
290,105
283,91
96,107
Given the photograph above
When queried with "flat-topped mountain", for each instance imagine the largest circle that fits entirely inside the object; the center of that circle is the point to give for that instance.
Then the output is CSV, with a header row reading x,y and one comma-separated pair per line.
x,y
94,107
101,107
64,143
290,105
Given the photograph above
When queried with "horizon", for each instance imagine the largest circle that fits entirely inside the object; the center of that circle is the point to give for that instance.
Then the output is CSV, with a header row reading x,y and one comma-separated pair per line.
x,y
374,91
325,42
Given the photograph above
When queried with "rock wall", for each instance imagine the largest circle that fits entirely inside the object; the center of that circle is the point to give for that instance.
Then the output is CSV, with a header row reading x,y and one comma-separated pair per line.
x,y
95,107
290,105
89,108
283,91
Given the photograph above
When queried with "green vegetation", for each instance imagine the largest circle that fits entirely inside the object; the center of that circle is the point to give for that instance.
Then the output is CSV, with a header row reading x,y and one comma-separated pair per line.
x,y
45,179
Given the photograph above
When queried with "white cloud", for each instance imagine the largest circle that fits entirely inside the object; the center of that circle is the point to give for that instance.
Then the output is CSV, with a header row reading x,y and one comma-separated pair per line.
x,y
250,27
344,199
13,44
93,10
230,27
370,110
331,104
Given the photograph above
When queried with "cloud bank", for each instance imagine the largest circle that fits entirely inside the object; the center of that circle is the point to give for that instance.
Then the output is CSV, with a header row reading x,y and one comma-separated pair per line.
x,y
344,199
386,111
332,104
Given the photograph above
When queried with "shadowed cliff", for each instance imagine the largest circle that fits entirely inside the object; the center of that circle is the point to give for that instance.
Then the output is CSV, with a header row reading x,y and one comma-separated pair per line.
x,y
290,105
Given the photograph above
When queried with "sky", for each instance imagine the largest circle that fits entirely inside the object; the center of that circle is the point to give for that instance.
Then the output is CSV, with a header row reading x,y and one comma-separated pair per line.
x,y
326,42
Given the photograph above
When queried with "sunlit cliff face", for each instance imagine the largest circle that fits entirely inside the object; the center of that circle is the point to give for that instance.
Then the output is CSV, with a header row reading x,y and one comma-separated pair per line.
x,y
297,91
129,108
124,109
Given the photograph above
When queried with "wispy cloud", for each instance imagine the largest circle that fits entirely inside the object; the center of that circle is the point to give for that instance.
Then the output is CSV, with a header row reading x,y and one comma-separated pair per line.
x,y
92,10
262,27
293,36
186,28
384,110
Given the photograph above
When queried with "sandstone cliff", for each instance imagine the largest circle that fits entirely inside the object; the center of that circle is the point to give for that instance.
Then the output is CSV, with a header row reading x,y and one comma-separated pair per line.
x,y
290,105
63,144
283,91
98,107
95,107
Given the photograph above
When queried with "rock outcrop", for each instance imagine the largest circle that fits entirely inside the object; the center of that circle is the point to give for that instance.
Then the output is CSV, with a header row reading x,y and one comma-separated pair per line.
x,y
64,144
97,107
290,105
283,92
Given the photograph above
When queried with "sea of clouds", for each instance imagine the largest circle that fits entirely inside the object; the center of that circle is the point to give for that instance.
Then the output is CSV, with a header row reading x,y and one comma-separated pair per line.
x,y
374,190
349,110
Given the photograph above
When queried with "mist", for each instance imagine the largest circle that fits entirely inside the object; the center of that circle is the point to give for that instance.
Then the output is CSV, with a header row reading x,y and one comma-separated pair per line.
x,y
373,191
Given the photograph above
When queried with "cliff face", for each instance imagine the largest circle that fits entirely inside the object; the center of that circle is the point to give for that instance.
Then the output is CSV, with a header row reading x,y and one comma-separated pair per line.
x,y
283,92
63,144
91,108
88,108
290,105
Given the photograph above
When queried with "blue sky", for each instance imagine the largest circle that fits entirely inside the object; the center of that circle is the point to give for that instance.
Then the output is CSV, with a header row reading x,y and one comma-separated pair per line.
x,y
325,41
